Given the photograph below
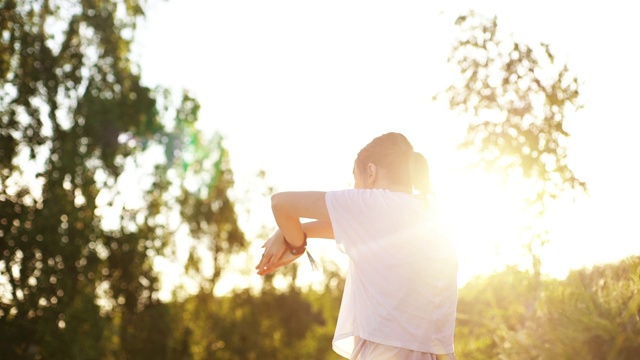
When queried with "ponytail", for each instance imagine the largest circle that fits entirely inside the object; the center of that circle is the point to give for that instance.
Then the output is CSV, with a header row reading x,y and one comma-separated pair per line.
x,y
420,174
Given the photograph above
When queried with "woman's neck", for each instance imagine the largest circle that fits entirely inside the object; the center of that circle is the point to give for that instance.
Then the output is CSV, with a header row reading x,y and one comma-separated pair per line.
x,y
382,183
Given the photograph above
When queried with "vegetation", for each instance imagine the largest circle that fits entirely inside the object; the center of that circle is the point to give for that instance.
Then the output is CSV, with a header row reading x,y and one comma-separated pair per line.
x,y
100,176
517,97
95,170
592,314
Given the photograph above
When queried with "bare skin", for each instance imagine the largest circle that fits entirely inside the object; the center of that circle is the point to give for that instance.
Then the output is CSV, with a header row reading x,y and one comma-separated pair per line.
x,y
289,207
276,254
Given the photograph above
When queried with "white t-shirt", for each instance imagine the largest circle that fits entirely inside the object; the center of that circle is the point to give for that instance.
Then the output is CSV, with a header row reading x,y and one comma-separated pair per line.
x,y
401,285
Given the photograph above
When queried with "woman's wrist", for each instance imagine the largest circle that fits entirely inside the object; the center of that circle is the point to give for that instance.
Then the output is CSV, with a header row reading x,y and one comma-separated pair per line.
x,y
296,250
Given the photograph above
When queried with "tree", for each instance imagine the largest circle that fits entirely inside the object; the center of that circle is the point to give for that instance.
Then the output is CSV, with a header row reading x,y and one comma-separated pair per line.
x,y
592,314
95,168
204,174
282,323
518,97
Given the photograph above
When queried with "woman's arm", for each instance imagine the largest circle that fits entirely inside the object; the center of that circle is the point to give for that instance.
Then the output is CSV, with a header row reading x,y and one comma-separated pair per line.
x,y
320,229
276,254
288,208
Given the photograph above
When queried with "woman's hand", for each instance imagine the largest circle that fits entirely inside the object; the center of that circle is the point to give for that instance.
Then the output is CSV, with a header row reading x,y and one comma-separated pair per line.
x,y
275,254
286,259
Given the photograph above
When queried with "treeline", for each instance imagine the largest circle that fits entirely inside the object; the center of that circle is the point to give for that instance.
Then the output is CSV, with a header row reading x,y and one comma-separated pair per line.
x,y
592,314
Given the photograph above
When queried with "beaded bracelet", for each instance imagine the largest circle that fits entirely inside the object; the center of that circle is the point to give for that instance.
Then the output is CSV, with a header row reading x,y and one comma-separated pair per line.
x,y
300,249
296,250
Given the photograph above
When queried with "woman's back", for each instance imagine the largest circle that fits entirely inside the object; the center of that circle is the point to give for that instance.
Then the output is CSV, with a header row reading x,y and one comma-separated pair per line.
x,y
401,286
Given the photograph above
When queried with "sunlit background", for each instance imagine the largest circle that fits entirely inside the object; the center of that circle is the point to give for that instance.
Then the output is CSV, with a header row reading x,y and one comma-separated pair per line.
x,y
138,157
297,88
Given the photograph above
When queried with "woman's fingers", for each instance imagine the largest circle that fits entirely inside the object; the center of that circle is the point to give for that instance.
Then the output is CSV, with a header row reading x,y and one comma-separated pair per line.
x,y
264,259
285,259
268,265
267,254
269,258
275,255
267,243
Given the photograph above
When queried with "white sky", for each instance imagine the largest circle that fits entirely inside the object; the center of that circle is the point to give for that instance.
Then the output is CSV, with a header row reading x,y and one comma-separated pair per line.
x,y
298,87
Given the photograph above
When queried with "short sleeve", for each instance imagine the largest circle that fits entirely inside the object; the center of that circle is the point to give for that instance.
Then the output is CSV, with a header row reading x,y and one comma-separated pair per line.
x,y
358,216
347,212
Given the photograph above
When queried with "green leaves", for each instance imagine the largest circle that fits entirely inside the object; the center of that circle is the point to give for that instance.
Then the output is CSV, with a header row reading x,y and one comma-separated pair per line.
x,y
516,97
87,199
592,314
519,97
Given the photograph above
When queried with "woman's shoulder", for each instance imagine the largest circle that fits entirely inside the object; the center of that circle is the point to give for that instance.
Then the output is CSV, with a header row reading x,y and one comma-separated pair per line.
x,y
381,197
367,193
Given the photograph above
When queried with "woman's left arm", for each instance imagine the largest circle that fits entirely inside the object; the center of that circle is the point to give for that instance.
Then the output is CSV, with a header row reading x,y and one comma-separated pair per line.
x,y
288,208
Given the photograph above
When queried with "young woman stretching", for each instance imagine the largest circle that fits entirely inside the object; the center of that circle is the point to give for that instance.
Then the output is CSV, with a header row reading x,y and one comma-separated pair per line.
x,y
400,295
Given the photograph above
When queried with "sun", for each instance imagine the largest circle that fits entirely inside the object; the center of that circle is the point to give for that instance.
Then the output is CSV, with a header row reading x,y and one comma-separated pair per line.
x,y
488,219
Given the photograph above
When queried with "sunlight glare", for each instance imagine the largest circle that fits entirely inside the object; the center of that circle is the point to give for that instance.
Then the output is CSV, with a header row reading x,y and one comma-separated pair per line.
x,y
488,220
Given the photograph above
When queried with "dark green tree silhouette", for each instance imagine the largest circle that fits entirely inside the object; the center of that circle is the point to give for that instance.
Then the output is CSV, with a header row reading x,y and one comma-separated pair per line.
x,y
272,323
94,169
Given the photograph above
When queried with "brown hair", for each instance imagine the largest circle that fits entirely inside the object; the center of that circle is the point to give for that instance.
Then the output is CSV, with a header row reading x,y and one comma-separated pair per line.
x,y
394,153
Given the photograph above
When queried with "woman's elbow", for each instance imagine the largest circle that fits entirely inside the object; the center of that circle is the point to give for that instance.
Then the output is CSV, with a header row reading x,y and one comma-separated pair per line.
x,y
278,203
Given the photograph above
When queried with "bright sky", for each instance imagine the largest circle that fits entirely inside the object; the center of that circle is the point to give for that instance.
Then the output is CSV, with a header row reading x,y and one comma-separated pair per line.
x,y
298,87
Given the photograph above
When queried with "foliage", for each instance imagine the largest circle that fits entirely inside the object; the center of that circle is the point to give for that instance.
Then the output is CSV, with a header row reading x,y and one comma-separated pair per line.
x,y
95,182
270,324
518,97
592,314
100,174
489,309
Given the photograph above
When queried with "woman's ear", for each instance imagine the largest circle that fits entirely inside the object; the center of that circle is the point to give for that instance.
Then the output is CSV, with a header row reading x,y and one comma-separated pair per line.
x,y
371,174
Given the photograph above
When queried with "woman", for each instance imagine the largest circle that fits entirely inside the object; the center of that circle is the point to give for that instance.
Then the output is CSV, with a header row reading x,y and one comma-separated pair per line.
x,y
400,295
